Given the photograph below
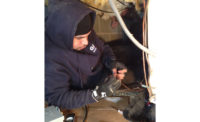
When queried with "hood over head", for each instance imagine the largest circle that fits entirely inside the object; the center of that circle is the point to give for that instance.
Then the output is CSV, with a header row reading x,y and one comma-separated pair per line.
x,y
84,26
63,19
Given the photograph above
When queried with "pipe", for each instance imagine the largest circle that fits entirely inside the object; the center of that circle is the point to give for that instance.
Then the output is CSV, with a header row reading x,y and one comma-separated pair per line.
x,y
127,31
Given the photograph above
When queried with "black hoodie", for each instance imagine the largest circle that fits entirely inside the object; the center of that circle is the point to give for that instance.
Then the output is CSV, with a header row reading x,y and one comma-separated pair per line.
x,y
71,75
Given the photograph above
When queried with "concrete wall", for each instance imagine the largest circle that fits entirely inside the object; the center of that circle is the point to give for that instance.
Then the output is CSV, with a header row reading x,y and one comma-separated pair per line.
x,y
103,30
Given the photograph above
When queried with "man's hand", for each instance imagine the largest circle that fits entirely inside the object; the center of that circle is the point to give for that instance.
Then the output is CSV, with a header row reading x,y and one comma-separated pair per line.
x,y
119,71
106,88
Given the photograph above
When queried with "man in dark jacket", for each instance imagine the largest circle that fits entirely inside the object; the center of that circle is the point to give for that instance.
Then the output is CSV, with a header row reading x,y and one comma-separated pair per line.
x,y
79,68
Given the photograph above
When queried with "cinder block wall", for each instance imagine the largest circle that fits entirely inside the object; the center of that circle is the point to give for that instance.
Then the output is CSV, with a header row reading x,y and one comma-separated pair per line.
x,y
104,31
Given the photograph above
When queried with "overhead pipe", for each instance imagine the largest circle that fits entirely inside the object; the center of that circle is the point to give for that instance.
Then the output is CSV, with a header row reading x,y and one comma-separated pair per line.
x,y
127,32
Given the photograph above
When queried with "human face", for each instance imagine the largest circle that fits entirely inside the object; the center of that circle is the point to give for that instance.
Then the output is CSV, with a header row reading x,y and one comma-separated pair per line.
x,y
80,41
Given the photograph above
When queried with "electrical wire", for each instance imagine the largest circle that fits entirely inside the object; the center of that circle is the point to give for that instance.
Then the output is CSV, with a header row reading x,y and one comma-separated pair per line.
x,y
99,9
86,113
122,3
145,56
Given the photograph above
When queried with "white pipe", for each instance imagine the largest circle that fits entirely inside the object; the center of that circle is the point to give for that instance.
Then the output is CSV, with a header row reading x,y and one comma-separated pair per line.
x,y
127,31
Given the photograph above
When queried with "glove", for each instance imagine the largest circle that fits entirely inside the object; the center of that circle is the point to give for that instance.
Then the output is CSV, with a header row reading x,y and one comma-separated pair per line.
x,y
107,88
115,64
120,66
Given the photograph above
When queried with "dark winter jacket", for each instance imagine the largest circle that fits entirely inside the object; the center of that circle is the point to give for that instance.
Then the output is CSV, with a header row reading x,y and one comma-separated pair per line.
x,y
71,75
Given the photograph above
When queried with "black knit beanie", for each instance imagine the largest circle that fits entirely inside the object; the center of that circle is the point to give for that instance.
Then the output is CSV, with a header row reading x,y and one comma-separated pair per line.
x,y
84,26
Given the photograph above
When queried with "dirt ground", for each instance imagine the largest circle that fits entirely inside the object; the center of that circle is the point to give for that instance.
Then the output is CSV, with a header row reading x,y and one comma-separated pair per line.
x,y
102,111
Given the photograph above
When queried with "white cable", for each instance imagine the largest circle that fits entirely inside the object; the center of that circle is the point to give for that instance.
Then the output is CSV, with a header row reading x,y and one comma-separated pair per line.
x,y
127,31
